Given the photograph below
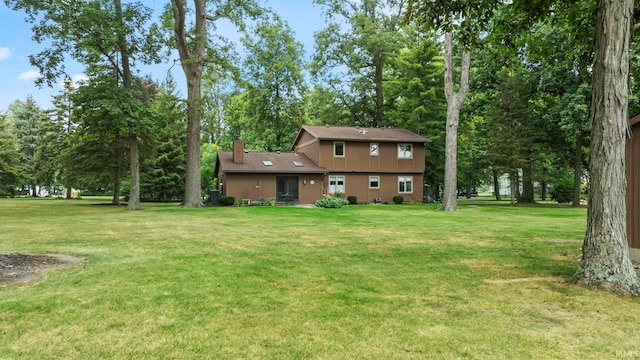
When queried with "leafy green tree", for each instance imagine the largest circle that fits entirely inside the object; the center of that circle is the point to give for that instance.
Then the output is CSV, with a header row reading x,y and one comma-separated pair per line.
x,y
352,54
563,66
414,88
274,84
196,47
27,120
10,171
104,35
209,152
326,107
464,21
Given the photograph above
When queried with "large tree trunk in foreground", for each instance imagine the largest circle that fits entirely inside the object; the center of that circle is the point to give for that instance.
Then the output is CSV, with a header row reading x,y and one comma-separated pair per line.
x,y
605,260
454,103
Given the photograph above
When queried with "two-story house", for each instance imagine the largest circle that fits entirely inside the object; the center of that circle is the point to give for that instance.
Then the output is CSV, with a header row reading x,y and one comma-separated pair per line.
x,y
373,164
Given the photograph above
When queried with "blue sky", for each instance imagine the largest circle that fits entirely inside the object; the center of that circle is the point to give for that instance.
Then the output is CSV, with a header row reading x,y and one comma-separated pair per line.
x,y
18,76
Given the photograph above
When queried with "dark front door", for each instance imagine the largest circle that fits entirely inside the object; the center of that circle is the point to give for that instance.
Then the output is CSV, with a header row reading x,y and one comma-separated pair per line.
x,y
287,188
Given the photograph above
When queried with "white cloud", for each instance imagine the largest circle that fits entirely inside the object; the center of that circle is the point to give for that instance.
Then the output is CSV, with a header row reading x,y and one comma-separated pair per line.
x,y
29,75
76,80
5,53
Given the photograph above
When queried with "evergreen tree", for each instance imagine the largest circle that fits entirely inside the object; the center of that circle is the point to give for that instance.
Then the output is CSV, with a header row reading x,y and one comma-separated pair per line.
x,y
10,171
27,120
163,170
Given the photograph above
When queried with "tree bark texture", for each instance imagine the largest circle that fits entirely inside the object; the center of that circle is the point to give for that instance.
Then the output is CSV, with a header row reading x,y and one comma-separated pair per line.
x,y
192,59
496,185
605,260
454,103
577,169
527,196
514,187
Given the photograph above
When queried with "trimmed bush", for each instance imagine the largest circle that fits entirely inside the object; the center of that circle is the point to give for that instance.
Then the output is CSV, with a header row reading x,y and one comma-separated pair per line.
x,y
562,192
398,199
352,200
329,202
227,200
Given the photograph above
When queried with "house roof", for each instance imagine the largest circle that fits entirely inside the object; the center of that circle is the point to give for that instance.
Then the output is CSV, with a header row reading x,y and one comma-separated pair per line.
x,y
634,120
268,162
363,134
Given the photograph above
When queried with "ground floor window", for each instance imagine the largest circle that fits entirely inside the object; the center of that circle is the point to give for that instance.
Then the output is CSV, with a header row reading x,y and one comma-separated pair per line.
x,y
405,184
374,182
336,184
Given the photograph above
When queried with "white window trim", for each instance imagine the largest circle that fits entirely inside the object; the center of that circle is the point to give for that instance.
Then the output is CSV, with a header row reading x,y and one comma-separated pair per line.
x,y
404,179
344,148
377,149
344,182
374,176
405,151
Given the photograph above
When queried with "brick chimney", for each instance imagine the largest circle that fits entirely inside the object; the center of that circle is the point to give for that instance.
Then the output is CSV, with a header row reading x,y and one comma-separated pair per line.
x,y
238,151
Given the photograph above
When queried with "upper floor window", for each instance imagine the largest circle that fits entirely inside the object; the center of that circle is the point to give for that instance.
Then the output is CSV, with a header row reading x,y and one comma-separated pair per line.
x,y
405,151
374,149
338,149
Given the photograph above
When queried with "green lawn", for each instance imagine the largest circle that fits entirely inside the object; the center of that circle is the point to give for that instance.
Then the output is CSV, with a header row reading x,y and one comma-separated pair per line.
x,y
364,281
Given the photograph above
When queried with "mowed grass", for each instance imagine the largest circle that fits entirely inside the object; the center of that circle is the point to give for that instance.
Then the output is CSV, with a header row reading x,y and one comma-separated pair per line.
x,y
362,282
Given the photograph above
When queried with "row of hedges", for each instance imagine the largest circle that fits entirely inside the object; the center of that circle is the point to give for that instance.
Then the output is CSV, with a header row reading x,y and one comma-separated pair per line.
x,y
328,201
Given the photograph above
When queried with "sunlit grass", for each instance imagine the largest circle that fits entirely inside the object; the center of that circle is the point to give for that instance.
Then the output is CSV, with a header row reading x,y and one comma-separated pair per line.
x,y
365,281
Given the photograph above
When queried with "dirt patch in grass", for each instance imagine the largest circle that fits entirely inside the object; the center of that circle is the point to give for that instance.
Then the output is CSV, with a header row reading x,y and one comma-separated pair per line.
x,y
20,267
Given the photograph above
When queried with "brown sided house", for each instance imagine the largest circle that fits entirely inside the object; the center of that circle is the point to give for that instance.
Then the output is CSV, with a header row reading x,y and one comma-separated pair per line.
x,y
285,176
372,164
633,188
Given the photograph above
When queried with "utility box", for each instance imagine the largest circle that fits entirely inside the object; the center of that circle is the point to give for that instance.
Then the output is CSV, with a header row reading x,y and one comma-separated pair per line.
x,y
214,197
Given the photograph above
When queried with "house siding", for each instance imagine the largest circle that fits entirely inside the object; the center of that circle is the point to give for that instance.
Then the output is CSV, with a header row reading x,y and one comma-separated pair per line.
x,y
256,186
357,184
358,158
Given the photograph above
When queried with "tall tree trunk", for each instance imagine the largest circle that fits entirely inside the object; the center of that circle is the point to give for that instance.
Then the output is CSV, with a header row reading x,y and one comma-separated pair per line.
x,y
527,183
454,103
605,253
134,178
192,197
543,184
117,176
496,185
192,57
577,169
514,187
469,177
